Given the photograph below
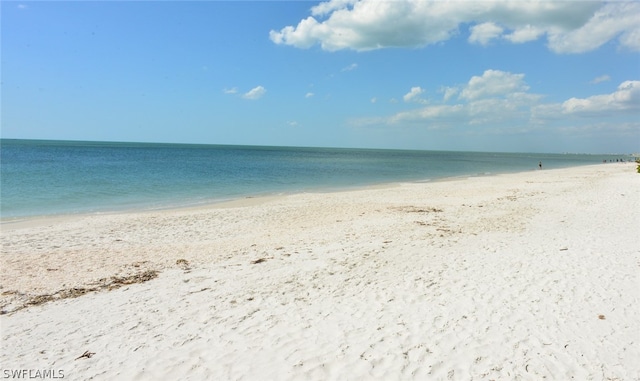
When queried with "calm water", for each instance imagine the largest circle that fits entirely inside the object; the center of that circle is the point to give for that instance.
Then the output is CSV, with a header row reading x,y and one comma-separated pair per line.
x,y
59,177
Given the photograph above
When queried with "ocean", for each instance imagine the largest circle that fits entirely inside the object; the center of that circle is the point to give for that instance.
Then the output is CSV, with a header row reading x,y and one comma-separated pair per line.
x,y
41,177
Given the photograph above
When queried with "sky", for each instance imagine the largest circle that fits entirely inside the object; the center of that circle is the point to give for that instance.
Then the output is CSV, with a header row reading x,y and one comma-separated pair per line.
x,y
501,76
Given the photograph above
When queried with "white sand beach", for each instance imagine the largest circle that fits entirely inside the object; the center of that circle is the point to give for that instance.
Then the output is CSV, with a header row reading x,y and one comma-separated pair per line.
x,y
508,277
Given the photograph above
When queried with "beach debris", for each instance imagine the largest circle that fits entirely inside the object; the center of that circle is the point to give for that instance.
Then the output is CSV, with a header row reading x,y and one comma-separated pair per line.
x,y
39,299
601,317
113,283
183,264
415,209
564,248
259,260
86,354
117,282
201,290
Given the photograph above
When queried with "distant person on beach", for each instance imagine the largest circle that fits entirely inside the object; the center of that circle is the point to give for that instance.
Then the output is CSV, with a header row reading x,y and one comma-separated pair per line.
x,y
540,165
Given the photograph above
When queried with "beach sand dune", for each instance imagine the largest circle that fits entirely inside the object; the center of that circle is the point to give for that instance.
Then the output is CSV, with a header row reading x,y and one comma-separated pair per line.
x,y
511,277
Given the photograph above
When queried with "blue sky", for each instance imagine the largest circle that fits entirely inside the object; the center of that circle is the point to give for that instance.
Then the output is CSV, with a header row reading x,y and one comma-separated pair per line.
x,y
531,76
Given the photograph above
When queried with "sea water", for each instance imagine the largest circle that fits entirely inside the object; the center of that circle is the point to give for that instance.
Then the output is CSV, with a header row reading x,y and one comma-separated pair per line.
x,y
65,177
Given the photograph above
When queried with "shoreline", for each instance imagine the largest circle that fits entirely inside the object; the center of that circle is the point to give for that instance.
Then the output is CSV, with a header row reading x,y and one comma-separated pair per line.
x,y
521,275
44,219
70,222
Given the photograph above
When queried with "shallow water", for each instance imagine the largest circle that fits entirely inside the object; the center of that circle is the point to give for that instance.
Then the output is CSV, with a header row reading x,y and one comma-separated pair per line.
x,y
60,177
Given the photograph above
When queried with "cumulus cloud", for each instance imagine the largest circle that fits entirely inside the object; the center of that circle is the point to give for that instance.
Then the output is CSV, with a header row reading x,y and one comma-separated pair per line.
x,y
569,26
330,6
622,105
413,94
493,98
449,92
232,90
494,83
501,102
309,95
476,103
483,33
608,22
477,112
524,34
255,93
625,98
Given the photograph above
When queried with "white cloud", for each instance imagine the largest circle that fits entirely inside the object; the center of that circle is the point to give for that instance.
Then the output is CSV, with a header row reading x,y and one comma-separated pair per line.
x,y
570,26
307,33
498,102
374,100
255,93
436,113
483,33
625,98
477,103
516,109
602,78
413,94
367,25
309,95
631,39
232,90
353,66
525,34
449,92
493,83
608,22
330,6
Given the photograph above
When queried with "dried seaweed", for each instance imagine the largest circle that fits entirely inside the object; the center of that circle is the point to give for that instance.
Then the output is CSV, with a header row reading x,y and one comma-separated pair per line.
x,y
114,283
415,209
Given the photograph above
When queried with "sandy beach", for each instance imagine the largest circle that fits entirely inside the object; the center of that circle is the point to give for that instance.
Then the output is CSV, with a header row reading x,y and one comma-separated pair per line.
x,y
508,277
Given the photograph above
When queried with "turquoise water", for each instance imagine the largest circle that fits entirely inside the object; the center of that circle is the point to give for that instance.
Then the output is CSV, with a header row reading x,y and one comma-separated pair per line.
x,y
61,177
